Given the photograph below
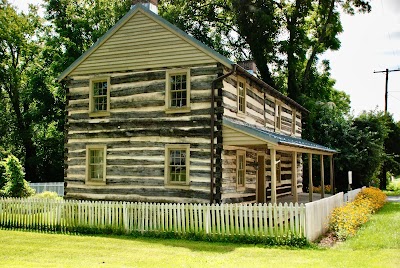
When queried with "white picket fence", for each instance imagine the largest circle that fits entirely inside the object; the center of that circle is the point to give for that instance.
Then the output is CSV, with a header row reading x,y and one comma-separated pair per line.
x,y
286,220
317,215
40,187
278,220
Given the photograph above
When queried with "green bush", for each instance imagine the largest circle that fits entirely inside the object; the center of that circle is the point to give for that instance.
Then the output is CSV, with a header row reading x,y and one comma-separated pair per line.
x,y
47,195
16,185
3,181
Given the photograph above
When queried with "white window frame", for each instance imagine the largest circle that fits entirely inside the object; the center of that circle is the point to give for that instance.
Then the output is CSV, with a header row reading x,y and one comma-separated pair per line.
x,y
278,117
241,80
294,122
278,169
168,107
92,112
167,170
89,148
240,153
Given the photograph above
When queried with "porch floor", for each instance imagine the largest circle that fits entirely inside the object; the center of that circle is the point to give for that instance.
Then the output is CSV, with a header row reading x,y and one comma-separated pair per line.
x,y
302,197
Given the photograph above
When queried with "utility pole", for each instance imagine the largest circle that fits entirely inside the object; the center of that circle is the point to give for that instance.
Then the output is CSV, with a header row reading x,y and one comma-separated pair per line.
x,y
382,184
387,71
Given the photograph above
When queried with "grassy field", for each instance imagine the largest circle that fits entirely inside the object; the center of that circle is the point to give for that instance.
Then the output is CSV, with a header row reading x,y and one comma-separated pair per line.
x,y
377,244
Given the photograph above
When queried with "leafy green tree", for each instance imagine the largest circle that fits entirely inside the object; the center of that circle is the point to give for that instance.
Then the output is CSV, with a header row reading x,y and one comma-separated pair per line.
x,y
16,185
3,155
29,94
18,50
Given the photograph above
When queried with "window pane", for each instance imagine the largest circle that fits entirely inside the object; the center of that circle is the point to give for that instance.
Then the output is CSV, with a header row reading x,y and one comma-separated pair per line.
x,y
241,163
177,166
241,97
96,164
178,91
100,96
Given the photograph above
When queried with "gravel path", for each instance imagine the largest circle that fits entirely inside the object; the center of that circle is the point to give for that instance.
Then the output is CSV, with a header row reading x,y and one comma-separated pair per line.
x,y
393,198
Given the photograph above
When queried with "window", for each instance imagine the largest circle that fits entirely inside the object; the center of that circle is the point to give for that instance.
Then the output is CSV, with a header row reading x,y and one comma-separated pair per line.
x,y
96,164
278,169
177,160
177,97
294,122
99,95
241,95
241,168
278,111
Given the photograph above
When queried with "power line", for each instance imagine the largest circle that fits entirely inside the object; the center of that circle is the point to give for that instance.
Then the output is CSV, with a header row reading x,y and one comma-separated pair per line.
x,y
394,97
387,71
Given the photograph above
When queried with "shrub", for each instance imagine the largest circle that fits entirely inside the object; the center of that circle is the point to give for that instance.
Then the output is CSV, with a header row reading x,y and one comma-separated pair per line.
x,y
16,185
345,220
394,186
3,181
47,195
317,189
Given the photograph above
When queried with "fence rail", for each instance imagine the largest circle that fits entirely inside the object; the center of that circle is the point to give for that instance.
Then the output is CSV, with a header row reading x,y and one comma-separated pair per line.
x,y
40,187
286,220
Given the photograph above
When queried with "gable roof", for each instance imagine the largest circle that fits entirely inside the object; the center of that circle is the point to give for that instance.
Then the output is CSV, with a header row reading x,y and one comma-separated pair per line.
x,y
158,19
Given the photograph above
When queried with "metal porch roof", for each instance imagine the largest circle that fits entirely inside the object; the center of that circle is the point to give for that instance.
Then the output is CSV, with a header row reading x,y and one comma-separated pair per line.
x,y
274,138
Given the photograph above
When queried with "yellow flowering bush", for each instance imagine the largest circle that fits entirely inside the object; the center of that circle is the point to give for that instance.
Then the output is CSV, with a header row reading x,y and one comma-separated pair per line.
x,y
345,220
317,189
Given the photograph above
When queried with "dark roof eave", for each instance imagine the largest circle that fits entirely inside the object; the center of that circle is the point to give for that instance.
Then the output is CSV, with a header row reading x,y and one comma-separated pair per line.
x,y
270,89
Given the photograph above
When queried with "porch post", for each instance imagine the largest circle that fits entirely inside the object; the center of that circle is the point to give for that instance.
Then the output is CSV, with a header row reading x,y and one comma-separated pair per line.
x,y
331,174
322,177
273,176
294,177
310,182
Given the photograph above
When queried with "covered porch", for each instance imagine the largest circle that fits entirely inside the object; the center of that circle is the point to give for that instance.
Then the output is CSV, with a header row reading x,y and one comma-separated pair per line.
x,y
279,156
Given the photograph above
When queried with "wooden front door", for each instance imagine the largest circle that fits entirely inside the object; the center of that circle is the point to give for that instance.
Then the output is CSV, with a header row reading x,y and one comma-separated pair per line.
x,y
261,191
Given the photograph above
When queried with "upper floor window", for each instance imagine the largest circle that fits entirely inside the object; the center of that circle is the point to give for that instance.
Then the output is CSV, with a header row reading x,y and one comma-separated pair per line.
x,y
278,112
240,168
241,95
177,97
177,161
294,122
99,96
96,164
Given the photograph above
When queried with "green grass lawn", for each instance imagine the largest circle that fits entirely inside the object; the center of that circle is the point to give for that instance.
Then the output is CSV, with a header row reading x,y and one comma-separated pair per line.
x,y
377,244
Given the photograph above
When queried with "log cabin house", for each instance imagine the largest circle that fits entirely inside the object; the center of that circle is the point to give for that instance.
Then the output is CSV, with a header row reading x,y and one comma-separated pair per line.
x,y
155,115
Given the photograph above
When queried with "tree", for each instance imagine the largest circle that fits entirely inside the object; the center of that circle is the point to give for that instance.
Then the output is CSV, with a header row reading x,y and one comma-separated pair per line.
x,y
18,49
16,185
29,95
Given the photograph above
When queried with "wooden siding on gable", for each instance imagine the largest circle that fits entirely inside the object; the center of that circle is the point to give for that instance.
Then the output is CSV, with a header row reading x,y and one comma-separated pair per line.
x,y
141,44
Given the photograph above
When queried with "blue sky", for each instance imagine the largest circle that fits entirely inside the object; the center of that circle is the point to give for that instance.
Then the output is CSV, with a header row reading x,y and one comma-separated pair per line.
x,y
370,42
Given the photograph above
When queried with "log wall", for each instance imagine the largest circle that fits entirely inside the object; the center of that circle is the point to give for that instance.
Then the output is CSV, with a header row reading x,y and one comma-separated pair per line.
x,y
135,134
260,107
233,194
